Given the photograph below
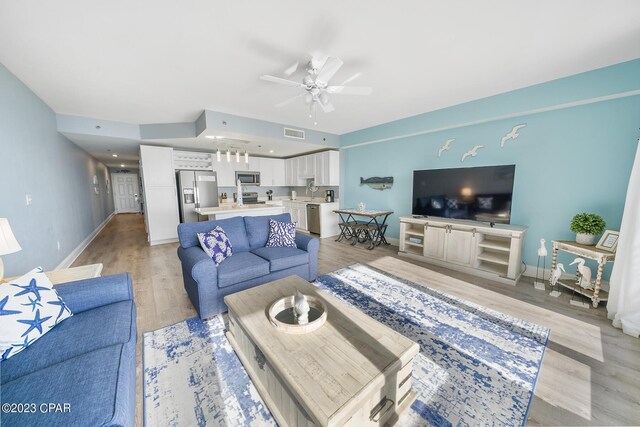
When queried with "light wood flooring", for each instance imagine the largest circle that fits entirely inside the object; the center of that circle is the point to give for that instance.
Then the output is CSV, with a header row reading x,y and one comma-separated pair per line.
x,y
590,374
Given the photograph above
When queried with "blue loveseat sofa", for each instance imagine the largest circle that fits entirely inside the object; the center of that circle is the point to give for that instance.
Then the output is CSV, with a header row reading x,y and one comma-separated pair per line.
x,y
250,265
88,361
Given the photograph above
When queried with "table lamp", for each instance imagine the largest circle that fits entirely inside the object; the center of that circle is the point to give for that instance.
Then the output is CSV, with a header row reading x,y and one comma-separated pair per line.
x,y
8,243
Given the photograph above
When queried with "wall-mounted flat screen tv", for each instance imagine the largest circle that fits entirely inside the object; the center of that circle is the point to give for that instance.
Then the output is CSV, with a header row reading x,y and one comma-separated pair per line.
x,y
480,193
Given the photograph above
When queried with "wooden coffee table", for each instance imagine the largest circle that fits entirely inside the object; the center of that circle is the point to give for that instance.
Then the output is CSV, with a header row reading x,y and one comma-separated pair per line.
x,y
352,371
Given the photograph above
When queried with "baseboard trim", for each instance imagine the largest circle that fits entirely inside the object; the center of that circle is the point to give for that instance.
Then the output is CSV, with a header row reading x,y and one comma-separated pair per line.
x,y
163,241
66,263
393,241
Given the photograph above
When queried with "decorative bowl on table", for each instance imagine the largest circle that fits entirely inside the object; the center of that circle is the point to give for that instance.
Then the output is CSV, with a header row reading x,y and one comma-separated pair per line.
x,y
282,315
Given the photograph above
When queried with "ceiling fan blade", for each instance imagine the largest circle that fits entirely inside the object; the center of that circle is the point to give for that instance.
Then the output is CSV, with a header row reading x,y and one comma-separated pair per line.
x,y
330,67
292,69
350,79
350,90
282,81
290,100
327,107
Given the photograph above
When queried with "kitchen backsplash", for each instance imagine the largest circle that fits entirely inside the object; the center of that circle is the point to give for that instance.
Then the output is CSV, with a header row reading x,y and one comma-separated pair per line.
x,y
278,191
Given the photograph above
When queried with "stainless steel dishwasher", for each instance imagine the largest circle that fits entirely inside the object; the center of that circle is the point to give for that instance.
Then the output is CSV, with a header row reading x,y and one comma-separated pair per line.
x,y
313,218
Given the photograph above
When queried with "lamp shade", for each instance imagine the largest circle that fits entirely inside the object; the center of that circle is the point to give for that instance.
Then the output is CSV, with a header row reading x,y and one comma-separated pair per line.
x,y
8,242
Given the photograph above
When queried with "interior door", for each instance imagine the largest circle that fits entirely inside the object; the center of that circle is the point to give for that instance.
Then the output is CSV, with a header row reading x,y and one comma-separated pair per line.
x,y
434,241
126,193
460,247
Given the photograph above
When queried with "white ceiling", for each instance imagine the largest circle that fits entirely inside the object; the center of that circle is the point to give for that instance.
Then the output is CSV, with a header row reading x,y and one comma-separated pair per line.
x,y
160,61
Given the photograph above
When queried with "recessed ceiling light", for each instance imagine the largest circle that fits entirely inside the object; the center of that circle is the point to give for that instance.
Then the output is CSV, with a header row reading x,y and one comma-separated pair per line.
x,y
122,165
114,155
271,151
210,137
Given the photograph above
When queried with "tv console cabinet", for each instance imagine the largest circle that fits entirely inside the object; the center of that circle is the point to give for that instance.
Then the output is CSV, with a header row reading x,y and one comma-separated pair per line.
x,y
477,248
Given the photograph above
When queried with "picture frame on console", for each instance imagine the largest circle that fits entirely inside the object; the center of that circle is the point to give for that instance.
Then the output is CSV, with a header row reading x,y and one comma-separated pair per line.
x,y
609,241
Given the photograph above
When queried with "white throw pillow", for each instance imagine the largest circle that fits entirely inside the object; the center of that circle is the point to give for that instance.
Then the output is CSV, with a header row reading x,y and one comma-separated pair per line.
x,y
29,308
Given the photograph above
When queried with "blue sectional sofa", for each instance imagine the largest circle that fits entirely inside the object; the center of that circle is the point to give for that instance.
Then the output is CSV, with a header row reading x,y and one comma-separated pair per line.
x,y
88,361
250,265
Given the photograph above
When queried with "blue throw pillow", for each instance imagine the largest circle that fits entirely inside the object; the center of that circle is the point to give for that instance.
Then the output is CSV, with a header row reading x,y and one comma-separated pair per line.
x,y
216,244
29,308
281,234
452,203
485,203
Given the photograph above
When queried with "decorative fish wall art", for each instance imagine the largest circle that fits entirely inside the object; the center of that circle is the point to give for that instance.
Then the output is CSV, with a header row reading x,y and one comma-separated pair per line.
x,y
378,183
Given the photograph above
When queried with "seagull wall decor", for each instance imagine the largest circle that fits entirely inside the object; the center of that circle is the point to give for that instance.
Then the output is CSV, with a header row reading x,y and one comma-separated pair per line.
x,y
512,135
445,147
472,153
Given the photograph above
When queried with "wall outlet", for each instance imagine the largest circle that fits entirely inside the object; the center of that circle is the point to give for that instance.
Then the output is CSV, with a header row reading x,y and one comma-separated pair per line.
x,y
28,199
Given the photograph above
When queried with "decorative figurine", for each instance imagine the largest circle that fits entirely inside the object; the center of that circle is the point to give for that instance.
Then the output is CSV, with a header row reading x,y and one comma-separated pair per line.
x,y
553,280
301,308
542,253
585,273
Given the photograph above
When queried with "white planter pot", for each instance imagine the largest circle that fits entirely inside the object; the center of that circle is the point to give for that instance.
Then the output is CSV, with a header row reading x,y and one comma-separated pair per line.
x,y
585,239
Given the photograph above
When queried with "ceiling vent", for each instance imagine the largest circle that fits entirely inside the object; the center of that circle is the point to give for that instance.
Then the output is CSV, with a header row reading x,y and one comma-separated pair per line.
x,y
294,133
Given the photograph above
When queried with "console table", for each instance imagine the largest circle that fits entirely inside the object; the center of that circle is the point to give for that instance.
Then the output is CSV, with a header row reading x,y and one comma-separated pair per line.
x,y
473,247
371,230
591,252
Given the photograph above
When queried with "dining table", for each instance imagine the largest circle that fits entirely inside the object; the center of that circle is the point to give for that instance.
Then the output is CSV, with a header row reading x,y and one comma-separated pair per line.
x,y
363,226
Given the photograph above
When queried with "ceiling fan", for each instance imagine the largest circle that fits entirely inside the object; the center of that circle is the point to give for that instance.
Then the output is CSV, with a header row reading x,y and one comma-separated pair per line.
x,y
315,85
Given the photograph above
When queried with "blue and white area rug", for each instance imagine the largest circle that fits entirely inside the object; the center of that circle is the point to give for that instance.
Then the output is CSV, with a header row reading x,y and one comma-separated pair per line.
x,y
475,367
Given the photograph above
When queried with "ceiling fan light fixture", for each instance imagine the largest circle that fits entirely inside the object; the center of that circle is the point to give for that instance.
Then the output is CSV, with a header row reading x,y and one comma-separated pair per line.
x,y
308,98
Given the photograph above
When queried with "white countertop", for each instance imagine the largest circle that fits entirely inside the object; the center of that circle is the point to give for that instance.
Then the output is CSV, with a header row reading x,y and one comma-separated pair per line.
x,y
235,207
318,200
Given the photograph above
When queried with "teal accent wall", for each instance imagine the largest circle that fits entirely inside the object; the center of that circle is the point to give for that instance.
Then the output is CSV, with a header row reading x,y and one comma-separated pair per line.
x,y
37,160
568,160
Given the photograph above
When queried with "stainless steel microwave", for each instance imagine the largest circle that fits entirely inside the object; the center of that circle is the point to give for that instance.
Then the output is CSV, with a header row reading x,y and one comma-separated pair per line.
x,y
248,178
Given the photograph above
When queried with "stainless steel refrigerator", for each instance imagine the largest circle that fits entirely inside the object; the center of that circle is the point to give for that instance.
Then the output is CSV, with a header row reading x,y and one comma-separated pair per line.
x,y
196,189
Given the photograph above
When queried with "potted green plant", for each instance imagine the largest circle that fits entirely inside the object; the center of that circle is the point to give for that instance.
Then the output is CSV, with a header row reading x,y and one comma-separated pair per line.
x,y
586,226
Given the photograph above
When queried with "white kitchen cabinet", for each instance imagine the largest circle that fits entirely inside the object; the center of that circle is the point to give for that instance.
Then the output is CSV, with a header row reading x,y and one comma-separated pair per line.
x,y
158,166
290,171
272,172
254,163
226,172
266,173
306,167
327,168
160,194
278,173
162,211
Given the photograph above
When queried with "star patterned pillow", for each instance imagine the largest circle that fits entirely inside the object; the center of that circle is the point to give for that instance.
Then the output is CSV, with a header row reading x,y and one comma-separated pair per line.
x,y
281,234
216,244
29,308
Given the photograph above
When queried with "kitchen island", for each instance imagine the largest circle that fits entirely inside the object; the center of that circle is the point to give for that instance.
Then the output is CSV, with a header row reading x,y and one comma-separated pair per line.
x,y
232,210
